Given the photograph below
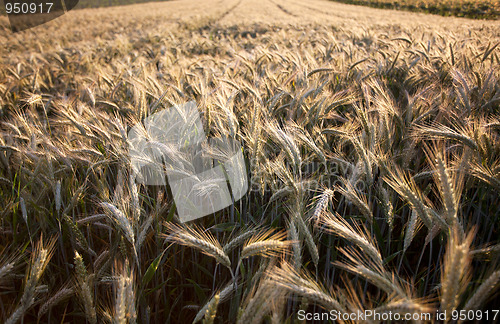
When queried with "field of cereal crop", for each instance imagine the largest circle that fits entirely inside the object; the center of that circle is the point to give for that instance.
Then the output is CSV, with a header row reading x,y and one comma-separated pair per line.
x,y
370,141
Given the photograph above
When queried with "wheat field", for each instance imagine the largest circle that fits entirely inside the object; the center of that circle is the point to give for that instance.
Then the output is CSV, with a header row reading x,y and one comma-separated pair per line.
x,y
372,150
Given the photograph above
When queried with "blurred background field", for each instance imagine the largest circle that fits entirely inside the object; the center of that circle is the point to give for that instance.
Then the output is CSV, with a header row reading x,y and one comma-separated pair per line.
x,y
477,9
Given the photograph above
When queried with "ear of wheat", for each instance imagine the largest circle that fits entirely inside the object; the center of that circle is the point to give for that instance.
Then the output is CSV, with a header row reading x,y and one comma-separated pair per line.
x,y
303,285
125,296
266,243
238,240
260,301
373,272
58,297
210,308
39,261
455,274
483,291
336,224
84,284
199,239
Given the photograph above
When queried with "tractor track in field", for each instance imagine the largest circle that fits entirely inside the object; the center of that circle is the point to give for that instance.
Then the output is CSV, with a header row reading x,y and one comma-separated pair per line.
x,y
227,12
281,8
312,9
315,10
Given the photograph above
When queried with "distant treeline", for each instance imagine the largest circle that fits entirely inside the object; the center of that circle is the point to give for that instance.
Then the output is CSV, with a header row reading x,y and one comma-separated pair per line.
x,y
477,9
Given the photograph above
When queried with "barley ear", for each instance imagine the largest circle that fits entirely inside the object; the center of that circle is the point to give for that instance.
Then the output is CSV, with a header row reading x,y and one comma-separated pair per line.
x,y
456,269
84,289
482,293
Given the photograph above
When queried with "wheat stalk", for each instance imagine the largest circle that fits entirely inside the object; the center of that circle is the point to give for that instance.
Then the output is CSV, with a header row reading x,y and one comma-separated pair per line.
x,y
125,297
372,272
449,188
411,228
265,244
121,220
339,226
322,204
355,197
455,271
407,188
258,302
85,291
61,295
39,261
303,285
238,240
293,236
482,293
197,238
443,131
211,306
